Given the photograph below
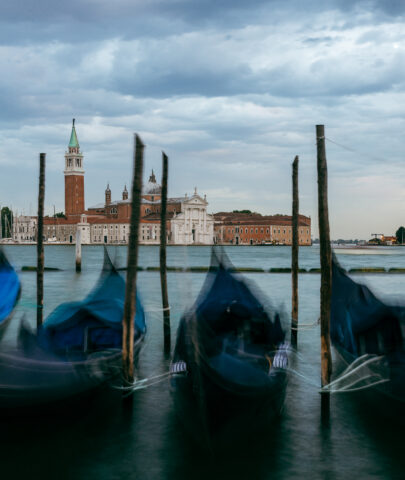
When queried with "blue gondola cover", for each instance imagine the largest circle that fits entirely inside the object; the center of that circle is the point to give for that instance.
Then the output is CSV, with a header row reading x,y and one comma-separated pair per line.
x,y
94,323
9,287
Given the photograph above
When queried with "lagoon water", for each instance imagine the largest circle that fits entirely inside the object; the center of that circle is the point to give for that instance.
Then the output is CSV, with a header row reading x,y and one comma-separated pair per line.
x,y
105,441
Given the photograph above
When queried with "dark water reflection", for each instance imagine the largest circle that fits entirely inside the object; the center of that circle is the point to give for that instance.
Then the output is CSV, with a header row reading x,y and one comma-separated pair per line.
x,y
145,440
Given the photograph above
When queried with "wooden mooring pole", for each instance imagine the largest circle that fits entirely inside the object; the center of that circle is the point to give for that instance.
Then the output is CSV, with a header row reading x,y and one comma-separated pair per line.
x,y
326,267
78,250
132,264
294,254
163,269
40,244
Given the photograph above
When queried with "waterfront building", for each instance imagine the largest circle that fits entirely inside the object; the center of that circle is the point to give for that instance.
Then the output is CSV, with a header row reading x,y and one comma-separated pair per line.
x,y
235,228
188,222
193,225
24,228
109,222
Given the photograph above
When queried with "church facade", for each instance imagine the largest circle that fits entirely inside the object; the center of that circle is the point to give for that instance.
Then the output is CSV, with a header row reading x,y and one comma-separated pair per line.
x,y
192,225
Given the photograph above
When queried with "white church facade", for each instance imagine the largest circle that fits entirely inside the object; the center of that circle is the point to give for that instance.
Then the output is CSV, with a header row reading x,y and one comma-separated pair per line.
x,y
193,225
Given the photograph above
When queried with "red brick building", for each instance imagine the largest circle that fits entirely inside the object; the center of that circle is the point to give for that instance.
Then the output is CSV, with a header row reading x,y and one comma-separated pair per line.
x,y
234,228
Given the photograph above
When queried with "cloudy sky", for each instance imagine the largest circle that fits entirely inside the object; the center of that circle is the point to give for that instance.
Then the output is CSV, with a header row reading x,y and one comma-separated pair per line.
x,y
230,90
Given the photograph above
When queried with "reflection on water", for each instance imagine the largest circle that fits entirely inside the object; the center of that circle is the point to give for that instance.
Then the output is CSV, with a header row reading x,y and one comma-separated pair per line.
x,y
369,251
105,441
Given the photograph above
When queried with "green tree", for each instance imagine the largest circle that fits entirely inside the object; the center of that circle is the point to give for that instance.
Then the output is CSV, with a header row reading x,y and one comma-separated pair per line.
x,y
60,215
6,222
400,234
242,211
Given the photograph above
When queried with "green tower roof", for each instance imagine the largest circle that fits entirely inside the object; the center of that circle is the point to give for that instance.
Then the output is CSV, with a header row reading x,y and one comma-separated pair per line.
x,y
73,137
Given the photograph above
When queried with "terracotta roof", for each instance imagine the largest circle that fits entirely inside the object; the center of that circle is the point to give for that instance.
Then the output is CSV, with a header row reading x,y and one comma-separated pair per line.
x,y
155,217
234,218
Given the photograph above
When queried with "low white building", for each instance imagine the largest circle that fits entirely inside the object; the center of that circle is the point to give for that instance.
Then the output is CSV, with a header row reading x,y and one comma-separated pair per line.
x,y
24,229
193,225
109,231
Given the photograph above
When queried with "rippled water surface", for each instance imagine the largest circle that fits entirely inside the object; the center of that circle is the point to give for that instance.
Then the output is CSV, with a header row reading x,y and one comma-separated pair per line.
x,y
145,440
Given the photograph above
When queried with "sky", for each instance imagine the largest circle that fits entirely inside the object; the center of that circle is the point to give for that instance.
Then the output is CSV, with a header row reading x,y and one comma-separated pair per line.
x,y
230,90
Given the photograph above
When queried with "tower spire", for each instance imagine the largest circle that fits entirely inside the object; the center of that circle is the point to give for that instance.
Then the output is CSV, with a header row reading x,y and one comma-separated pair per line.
x,y
74,143
152,178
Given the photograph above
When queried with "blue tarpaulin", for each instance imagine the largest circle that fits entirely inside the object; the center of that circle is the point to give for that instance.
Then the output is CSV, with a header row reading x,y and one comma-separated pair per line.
x,y
95,322
9,287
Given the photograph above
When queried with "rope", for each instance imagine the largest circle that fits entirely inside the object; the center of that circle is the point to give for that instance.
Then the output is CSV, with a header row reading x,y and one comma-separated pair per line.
x,y
141,384
307,326
364,387
365,361
349,149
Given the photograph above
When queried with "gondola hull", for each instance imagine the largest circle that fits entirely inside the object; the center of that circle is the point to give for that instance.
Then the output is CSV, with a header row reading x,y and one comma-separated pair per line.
x,y
75,353
229,365
363,327
218,415
41,384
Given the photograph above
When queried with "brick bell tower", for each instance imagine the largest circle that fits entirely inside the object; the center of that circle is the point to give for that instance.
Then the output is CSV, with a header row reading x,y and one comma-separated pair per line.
x,y
74,177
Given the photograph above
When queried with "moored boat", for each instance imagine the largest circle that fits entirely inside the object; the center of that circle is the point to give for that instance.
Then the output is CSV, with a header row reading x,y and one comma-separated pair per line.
x,y
10,289
76,351
229,365
368,336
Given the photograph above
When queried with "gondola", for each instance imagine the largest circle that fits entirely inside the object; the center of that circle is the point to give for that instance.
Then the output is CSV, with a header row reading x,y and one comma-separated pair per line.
x,y
228,373
368,336
76,352
10,289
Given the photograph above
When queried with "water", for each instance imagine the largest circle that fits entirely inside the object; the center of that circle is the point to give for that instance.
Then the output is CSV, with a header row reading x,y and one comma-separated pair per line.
x,y
108,442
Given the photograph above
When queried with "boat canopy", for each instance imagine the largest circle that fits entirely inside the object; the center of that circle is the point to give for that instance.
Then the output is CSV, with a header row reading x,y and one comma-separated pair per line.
x,y
94,323
228,330
360,322
9,287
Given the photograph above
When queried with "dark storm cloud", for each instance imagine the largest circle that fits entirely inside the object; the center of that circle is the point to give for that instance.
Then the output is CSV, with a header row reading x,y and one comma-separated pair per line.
x,y
391,8
80,20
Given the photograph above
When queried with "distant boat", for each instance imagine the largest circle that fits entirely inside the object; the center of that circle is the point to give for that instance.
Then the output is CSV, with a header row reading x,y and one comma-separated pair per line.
x,y
77,350
229,365
10,289
369,336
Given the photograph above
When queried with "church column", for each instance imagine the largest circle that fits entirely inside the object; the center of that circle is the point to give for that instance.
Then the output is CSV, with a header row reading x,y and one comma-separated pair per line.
x,y
205,225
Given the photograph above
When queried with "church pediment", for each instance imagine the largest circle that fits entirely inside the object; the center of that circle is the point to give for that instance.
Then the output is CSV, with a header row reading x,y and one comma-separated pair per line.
x,y
195,200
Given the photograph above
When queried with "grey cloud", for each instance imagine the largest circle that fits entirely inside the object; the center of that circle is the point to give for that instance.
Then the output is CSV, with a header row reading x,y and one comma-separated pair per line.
x,y
83,20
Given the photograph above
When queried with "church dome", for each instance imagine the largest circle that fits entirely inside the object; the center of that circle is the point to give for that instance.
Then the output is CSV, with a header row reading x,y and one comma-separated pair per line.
x,y
152,187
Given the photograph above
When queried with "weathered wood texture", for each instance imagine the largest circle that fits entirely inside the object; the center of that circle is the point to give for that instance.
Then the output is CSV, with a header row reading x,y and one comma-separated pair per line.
x,y
40,244
162,257
326,256
78,250
294,254
132,262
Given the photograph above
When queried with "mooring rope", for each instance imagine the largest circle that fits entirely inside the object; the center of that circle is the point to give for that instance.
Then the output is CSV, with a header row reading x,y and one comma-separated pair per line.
x,y
362,363
307,326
